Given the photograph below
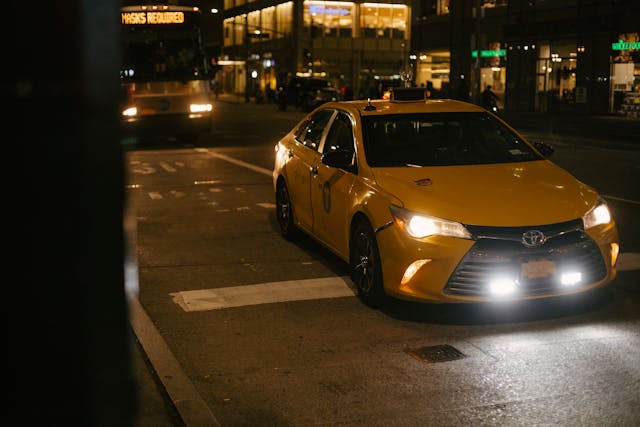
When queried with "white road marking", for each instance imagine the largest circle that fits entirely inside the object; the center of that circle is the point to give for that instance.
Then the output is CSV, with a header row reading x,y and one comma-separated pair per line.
x,y
154,195
166,166
267,205
144,170
254,168
264,293
298,290
620,199
628,261
207,182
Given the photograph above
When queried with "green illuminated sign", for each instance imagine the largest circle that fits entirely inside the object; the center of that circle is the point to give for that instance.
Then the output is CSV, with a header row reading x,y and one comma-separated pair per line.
x,y
620,45
488,53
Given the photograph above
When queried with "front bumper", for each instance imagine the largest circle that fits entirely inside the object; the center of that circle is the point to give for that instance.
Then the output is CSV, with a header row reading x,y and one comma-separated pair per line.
x,y
459,270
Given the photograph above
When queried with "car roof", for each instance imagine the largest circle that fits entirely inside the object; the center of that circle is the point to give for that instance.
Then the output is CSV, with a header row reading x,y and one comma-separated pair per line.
x,y
380,107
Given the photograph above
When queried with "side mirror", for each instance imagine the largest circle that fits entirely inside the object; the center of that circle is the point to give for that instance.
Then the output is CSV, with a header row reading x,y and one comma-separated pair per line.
x,y
340,159
545,149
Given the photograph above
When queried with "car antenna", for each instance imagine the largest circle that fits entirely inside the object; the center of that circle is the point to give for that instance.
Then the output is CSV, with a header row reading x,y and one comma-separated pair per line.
x,y
369,107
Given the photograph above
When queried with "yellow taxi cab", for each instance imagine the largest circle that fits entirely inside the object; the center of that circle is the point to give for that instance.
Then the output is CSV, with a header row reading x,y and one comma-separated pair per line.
x,y
440,201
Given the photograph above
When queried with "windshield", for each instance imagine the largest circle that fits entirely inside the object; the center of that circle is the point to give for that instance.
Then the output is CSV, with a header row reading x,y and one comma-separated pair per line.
x,y
152,54
441,139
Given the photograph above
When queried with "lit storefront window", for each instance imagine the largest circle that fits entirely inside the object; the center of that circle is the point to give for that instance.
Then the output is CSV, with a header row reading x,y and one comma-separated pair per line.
x,y
625,75
268,21
284,23
233,30
443,7
381,20
556,76
493,71
494,3
254,26
329,18
432,71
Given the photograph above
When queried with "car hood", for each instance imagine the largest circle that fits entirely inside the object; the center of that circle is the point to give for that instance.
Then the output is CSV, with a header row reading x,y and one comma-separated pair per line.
x,y
506,194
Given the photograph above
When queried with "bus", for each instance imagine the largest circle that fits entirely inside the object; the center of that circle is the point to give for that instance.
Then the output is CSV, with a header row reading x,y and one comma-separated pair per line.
x,y
164,72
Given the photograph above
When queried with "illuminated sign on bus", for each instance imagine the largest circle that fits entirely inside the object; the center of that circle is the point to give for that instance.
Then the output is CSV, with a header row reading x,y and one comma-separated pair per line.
x,y
140,18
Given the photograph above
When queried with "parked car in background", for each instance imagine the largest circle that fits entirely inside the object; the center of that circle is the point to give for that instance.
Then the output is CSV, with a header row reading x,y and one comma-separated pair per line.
x,y
299,92
439,200
326,94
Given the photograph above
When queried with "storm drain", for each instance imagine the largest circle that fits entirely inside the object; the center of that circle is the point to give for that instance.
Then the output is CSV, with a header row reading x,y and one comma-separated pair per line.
x,y
436,353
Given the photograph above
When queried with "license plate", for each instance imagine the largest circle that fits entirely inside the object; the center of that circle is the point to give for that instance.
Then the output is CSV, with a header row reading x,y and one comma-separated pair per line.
x,y
538,269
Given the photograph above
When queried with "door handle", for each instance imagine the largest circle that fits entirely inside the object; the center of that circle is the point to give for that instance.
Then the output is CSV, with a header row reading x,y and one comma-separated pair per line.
x,y
314,171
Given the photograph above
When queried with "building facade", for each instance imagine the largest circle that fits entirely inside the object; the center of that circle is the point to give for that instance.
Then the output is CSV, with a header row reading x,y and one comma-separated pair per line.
x,y
538,55
360,45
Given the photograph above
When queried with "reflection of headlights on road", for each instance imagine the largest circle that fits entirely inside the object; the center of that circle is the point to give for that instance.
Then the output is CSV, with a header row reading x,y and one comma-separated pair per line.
x,y
418,225
129,112
200,108
598,215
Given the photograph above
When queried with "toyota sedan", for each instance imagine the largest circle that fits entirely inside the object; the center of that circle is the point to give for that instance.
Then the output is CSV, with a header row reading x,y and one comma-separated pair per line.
x,y
440,201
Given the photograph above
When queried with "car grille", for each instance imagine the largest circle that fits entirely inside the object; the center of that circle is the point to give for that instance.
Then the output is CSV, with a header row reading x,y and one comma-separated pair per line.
x,y
500,251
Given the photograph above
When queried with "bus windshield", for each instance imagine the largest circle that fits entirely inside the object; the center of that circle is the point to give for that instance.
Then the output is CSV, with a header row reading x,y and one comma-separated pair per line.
x,y
163,52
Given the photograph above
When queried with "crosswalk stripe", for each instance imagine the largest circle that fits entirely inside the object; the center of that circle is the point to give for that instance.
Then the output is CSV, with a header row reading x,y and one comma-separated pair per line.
x,y
264,293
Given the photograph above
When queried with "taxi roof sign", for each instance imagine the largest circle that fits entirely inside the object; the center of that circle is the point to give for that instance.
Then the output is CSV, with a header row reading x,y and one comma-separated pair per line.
x,y
408,94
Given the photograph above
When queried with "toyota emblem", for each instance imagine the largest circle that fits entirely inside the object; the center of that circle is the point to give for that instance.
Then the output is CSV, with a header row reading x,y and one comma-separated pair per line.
x,y
533,238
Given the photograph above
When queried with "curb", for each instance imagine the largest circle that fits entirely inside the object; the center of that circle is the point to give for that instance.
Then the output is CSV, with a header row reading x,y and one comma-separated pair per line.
x,y
186,399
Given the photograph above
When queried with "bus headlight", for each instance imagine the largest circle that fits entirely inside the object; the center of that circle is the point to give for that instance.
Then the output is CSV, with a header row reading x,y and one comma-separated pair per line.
x,y
130,112
200,108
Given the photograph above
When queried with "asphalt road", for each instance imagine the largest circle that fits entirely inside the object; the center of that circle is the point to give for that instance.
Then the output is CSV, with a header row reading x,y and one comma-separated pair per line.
x,y
258,355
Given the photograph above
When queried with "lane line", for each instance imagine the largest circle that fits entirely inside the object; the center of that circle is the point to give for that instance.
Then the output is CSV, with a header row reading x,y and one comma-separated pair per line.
x,y
264,293
254,168
166,166
620,199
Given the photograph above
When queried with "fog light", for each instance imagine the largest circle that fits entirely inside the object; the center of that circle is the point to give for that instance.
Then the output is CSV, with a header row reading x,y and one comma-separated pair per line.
x,y
502,286
412,270
571,279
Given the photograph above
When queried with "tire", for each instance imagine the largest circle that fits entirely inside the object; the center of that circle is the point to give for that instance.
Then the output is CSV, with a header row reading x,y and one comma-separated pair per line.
x,y
284,212
366,268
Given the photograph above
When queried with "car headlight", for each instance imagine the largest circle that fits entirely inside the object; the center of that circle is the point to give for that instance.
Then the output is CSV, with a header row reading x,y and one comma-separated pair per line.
x,y
420,225
599,214
129,112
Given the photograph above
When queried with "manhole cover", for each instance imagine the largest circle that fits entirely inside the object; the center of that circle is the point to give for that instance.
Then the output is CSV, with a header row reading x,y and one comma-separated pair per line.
x,y
436,353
